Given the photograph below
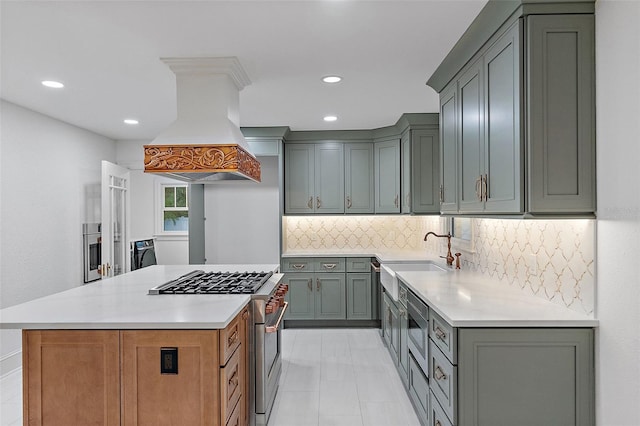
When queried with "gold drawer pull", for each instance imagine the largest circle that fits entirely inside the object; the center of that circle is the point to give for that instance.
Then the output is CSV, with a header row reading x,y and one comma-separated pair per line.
x,y
298,266
329,265
440,374
233,338
438,423
440,334
310,203
349,204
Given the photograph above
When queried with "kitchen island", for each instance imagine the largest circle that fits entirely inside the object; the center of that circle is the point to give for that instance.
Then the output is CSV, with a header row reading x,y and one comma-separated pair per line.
x,y
109,353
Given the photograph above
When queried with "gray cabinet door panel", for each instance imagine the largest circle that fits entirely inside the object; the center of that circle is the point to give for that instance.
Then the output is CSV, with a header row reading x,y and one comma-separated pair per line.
x,y
358,179
330,296
299,178
359,296
300,295
561,116
470,139
425,169
387,176
406,142
498,386
503,141
449,149
329,178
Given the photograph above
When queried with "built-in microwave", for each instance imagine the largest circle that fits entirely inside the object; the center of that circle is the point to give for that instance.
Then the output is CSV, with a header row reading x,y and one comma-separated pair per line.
x,y
92,251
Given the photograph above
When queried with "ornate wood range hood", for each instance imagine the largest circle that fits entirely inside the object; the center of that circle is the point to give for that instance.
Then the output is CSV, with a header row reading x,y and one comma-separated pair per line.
x,y
204,144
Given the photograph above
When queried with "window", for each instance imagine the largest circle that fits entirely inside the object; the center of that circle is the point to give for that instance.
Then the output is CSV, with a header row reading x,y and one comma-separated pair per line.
x,y
175,208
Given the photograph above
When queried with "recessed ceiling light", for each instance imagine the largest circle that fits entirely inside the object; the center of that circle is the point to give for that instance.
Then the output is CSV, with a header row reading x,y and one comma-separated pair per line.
x,y
131,121
332,79
330,118
53,84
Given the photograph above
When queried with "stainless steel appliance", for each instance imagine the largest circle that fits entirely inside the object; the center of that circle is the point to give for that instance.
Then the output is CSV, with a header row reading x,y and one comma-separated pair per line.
x,y
92,251
418,330
267,308
143,254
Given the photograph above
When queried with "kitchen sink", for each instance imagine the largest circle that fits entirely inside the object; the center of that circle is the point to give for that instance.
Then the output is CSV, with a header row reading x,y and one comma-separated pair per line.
x,y
388,277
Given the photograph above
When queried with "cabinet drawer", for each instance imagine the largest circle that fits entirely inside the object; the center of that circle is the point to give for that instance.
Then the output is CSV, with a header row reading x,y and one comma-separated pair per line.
x,y
330,264
419,390
438,417
230,338
444,336
444,381
358,264
298,264
231,381
234,419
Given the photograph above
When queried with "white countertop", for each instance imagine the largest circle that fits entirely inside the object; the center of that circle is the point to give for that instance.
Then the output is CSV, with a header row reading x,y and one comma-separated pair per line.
x,y
122,302
466,298
469,299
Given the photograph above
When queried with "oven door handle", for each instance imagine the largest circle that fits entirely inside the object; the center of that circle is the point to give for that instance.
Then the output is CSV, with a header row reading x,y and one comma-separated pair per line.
x,y
274,328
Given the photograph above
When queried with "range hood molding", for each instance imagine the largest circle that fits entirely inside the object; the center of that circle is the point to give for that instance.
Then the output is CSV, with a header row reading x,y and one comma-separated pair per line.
x,y
204,144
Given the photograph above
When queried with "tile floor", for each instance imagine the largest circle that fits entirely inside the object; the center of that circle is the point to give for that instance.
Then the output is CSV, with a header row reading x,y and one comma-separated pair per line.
x,y
330,377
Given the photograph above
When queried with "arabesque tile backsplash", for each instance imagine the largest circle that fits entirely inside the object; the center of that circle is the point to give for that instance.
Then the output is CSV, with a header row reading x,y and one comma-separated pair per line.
x,y
553,259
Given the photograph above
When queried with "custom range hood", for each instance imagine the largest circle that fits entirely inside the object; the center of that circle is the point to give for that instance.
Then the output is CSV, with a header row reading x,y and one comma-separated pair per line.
x,y
204,144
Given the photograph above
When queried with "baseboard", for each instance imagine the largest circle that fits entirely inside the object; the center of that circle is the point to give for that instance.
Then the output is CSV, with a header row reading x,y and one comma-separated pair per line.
x,y
10,363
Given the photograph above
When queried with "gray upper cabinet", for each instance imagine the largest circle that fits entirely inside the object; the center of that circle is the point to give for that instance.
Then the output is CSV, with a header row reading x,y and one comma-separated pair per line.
x,y
358,178
299,180
314,178
521,82
449,149
470,143
420,165
561,131
387,176
329,178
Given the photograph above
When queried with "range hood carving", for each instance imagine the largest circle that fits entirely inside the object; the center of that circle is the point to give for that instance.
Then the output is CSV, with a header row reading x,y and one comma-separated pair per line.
x,y
204,144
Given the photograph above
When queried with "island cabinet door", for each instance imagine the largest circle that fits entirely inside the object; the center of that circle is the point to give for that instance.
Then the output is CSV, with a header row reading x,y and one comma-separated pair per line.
x,y
170,377
71,377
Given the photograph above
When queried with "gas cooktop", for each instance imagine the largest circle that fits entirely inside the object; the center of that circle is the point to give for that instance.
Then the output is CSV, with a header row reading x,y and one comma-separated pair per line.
x,y
200,282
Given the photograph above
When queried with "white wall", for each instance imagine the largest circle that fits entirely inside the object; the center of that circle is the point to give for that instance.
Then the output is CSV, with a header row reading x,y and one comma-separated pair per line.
x,y
618,225
243,219
50,176
169,250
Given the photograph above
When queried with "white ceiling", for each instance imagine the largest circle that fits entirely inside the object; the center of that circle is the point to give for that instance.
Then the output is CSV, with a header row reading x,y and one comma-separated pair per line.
x,y
107,55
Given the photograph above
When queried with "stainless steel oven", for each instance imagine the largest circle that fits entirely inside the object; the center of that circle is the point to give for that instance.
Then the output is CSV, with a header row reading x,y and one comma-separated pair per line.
x,y
92,251
418,331
268,354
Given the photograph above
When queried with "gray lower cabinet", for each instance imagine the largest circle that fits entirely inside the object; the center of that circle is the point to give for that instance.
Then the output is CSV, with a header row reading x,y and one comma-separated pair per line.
x,y
327,289
526,377
395,332
387,176
500,376
359,295
316,295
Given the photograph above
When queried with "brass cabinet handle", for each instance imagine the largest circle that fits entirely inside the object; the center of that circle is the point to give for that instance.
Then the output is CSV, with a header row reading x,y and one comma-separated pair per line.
x,y
348,201
440,334
485,187
329,265
233,338
318,284
310,284
479,188
438,423
439,374
442,193
408,199
298,266
310,203
395,201
318,203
